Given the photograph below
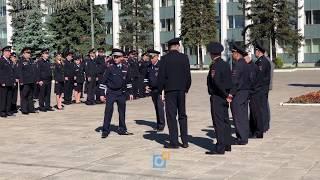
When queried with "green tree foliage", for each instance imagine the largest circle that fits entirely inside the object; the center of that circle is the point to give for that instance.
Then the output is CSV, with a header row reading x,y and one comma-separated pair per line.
x,y
27,23
136,24
70,27
276,21
198,23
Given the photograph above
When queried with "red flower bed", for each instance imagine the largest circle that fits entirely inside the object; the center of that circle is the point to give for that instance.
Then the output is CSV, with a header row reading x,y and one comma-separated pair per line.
x,y
313,97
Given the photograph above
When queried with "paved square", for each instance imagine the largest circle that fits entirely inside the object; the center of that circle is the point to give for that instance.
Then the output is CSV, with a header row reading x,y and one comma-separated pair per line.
x,y
66,144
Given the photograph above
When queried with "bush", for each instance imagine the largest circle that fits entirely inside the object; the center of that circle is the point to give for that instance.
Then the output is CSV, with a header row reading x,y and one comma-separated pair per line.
x,y
313,97
278,63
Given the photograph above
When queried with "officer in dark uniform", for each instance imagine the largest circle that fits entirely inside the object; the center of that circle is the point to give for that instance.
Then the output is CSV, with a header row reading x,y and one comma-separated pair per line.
x,y
143,69
79,79
261,90
116,83
27,78
91,76
219,83
44,81
59,80
7,81
240,94
152,87
14,60
101,67
175,79
134,71
68,77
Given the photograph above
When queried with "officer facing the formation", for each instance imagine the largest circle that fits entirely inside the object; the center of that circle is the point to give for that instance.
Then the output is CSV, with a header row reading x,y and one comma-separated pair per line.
x,y
44,81
175,79
116,83
68,78
91,75
219,84
259,97
27,78
101,66
152,87
7,82
239,95
143,69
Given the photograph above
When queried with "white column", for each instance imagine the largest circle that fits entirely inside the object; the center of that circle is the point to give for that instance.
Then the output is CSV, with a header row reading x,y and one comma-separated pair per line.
x,y
301,22
115,23
250,48
177,13
224,26
156,24
8,22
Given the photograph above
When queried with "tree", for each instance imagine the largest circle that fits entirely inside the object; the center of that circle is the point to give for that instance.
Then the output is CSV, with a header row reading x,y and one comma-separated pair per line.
x,y
198,24
70,27
27,23
136,24
275,21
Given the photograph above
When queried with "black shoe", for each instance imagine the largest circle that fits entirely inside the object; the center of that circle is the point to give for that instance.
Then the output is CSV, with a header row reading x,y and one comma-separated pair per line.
x,y
228,148
160,129
4,115
259,136
214,152
171,146
125,133
185,145
42,109
104,135
25,113
33,112
239,142
49,109
9,114
66,102
89,103
99,102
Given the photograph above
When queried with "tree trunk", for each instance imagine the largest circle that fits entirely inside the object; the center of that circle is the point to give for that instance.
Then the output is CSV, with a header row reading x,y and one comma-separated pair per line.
x,y
200,57
274,49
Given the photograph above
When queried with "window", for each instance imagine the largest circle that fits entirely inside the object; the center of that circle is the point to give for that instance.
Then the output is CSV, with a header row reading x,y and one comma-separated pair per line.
x,y
316,45
167,3
307,46
109,5
308,17
3,33
316,17
236,21
3,10
167,24
109,27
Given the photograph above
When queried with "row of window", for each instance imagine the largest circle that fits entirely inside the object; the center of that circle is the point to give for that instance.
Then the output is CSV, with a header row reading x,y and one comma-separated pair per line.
x,y
312,45
312,17
3,10
3,33
236,21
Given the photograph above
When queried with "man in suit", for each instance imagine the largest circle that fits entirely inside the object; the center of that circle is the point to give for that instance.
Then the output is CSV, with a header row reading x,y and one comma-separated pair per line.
x,y
175,79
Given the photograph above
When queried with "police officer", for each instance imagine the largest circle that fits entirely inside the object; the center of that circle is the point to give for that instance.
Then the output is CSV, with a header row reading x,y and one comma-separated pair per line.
x,y
27,78
7,81
143,69
79,79
175,80
59,80
101,66
68,77
259,97
91,76
152,87
219,84
44,81
240,95
134,71
14,61
116,83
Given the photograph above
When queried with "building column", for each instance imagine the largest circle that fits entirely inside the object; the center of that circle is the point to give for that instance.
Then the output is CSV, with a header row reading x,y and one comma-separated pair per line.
x,y
224,27
177,14
250,48
301,22
115,24
156,24
8,24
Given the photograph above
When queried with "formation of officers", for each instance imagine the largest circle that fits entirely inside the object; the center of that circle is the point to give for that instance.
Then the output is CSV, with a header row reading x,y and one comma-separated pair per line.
x,y
73,76
244,88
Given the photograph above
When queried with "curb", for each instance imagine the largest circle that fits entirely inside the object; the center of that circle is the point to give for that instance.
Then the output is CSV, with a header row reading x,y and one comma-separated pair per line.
x,y
276,70
297,104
